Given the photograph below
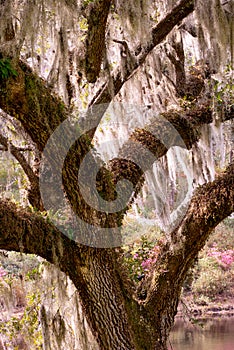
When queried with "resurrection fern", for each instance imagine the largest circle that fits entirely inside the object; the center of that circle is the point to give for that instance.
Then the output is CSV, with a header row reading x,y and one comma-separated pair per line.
x,y
6,69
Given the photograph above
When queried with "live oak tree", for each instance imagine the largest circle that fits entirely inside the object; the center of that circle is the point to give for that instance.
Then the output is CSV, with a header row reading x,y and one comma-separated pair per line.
x,y
57,57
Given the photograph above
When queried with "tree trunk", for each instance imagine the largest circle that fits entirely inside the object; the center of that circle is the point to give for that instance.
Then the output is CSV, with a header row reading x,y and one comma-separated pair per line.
x,y
119,318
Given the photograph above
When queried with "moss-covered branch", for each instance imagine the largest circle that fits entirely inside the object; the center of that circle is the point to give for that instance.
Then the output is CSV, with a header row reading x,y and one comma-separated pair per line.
x,y
148,144
24,231
27,98
210,205
92,270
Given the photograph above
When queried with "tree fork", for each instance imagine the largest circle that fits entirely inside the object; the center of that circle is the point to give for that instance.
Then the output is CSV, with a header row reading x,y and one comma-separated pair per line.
x,y
27,232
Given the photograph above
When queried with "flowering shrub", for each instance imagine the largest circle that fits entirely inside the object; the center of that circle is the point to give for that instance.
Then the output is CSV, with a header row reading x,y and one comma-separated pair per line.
x,y
148,262
141,256
214,275
225,258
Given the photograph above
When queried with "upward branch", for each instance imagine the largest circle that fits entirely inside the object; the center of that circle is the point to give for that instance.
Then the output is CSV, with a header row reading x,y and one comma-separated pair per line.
x,y
28,99
210,205
29,233
158,34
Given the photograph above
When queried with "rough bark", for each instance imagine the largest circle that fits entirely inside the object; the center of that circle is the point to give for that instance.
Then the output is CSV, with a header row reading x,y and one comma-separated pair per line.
x,y
210,204
118,317
107,298
27,98
94,272
95,40
136,156
137,324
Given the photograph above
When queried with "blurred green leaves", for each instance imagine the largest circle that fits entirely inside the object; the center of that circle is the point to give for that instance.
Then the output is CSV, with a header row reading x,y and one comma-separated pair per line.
x,y
6,69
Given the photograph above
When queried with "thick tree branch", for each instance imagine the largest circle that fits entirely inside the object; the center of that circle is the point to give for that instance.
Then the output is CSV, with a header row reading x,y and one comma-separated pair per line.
x,y
136,156
165,26
148,144
158,34
7,31
27,99
211,204
88,268
26,232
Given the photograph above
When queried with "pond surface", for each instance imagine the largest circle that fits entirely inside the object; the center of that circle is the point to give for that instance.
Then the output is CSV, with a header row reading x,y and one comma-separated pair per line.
x,y
215,334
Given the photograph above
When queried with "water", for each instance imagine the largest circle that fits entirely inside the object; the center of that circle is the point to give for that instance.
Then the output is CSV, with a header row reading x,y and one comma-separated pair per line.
x,y
215,334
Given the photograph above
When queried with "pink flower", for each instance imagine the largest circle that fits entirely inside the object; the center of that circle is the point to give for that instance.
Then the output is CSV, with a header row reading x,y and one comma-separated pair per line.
x,y
225,257
146,264
2,272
